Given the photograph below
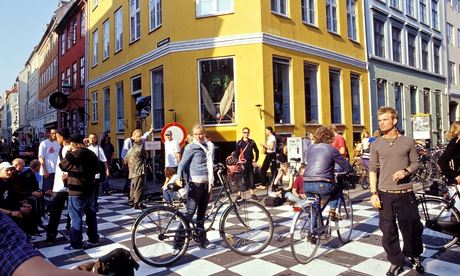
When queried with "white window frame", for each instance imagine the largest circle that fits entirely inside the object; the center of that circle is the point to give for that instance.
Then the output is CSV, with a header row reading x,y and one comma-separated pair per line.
x,y
106,38
331,16
82,23
313,110
95,3
449,33
63,41
74,75
118,29
157,93
357,104
395,4
94,106
382,44
155,14
422,11
410,7
136,92
134,17
309,12
95,47
214,7
351,20
333,95
434,14
277,7
74,27
106,108
82,71
396,43
120,125
285,62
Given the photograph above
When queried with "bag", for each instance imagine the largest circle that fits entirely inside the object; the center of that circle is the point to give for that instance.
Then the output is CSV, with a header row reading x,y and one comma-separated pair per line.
x,y
273,201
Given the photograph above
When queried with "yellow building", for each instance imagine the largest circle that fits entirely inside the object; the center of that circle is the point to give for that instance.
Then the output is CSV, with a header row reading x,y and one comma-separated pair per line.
x,y
228,64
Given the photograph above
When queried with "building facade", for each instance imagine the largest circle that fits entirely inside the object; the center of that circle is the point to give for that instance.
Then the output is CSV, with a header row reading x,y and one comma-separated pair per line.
x,y
452,38
227,64
407,61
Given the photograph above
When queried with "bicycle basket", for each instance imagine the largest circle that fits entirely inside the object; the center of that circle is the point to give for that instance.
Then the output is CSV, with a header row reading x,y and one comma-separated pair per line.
x,y
234,182
347,181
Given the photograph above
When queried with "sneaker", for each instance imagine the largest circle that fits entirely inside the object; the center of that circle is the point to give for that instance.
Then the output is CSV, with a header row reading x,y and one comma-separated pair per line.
x,y
206,244
238,198
254,197
417,264
333,216
50,241
261,187
175,251
70,248
394,270
92,243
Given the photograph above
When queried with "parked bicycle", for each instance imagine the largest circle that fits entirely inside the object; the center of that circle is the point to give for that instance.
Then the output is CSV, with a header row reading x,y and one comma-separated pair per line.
x,y
440,218
246,227
309,226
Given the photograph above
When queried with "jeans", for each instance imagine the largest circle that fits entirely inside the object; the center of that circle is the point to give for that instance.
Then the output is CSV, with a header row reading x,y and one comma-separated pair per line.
x,y
169,196
57,205
324,189
105,185
48,182
78,206
291,197
269,161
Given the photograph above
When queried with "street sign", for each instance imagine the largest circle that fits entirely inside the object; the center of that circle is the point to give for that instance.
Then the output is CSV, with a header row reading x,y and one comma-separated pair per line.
x,y
178,132
58,100
152,145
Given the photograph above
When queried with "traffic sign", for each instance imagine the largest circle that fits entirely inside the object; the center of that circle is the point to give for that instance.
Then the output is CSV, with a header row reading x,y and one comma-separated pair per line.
x,y
178,132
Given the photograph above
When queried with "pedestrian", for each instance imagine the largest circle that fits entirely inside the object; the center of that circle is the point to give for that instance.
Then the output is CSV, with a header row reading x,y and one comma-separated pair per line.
x,y
109,149
269,148
197,164
396,158
172,156
127,144
297,194
247,150
306,142
135,158
47,155
81,165
339,142
103,165
6,151
60,191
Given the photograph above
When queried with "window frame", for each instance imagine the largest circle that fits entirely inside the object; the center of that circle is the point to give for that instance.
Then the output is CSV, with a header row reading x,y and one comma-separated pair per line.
x,y
312,100
434,14
158,107
379,37
118,29
396,51
106,108
351,17
336,96
95,47
411,46
422,11
119,88
82,71
332,16
155,14
134,17
134,78
216,10
106,39
282,62
308,12
356,106
94,107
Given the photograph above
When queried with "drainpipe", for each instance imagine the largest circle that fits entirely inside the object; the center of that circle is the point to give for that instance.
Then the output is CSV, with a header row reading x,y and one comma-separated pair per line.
x,y
86,118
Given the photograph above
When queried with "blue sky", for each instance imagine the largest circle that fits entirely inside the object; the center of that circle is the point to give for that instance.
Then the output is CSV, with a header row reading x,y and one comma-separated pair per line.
x,y
22,24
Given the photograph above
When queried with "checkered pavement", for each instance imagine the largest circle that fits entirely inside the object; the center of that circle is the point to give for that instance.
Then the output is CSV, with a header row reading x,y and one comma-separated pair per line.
x,y
364,255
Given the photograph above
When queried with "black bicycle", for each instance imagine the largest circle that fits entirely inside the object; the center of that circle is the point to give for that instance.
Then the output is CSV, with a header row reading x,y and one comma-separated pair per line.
x,y
309,227
245,226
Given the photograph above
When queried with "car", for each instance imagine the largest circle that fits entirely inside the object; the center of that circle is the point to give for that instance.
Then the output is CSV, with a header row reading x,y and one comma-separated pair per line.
x,y
26,153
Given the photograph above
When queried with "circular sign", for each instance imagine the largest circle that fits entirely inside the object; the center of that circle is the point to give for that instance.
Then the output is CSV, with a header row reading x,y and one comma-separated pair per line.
x,y
58,100
178,132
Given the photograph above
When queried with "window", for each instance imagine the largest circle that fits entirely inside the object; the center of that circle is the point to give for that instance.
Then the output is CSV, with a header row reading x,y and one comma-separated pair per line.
x,y
74,30
381,92
213,7
120,107
451,73
82,71
331,15
398,104
335,96
411,50
413,100
63,39
281,91
135,19
95,47
69,39
434,14
410,7
379,38
63,79
118,30
67,76
106,34
106,107
155,14
422,7
217,91
95,3
449,33
279,6
396,36
94,107
74,76
136,85
424,54
311,93
355,81
394,4
308,11
426,101
437,100
158,99
458,38
436,61
351,19
82,23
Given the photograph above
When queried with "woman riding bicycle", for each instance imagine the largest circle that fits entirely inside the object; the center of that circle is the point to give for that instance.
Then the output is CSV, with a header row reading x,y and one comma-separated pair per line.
x,y
319,173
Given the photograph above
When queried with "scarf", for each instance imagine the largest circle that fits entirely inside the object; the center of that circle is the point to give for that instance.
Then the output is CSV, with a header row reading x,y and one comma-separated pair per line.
x,y
209,164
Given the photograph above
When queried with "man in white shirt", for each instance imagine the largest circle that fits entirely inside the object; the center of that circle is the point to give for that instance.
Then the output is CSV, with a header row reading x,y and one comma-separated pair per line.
x,y
270,157
172,156
48,152
99,152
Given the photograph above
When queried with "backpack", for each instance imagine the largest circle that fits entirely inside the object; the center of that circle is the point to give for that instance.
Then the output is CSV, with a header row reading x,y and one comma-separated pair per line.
x,y
273,201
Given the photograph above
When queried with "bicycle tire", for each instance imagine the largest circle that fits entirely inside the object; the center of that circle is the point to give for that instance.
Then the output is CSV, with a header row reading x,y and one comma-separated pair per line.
x,y
437,211
364,180
147,238
304,242
345,223
246,227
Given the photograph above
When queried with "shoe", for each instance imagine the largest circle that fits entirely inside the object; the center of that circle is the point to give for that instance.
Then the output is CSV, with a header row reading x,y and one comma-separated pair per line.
x,y
139,206
254,197
107,193
50,241
417,264
92,243
394,270
333,216
238,198
70,248
261,187
312,239
175,251
206,244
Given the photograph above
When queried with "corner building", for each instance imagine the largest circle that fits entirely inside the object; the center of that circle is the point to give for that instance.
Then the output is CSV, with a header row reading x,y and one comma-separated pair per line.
x,y
228,64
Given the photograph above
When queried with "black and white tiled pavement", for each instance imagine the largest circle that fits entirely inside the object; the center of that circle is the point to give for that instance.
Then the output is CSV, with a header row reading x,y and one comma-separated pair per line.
x,y
364,255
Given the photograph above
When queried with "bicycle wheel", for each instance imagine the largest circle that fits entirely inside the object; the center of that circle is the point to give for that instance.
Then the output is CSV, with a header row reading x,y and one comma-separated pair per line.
x,y
153,235
304,242
364,180
433,214
247,227
345,223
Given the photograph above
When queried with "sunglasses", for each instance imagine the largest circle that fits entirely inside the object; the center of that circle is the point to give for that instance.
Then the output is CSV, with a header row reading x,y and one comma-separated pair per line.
x,y
246,132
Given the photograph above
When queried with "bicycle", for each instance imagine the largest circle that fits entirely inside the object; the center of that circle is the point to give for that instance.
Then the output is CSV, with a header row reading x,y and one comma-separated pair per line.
x,y
440,218
246,227
306,234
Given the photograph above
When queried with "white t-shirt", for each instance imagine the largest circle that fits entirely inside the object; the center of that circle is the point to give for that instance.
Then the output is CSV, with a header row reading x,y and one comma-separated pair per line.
x,y
171,149
49,150
271,138
58,185
100,155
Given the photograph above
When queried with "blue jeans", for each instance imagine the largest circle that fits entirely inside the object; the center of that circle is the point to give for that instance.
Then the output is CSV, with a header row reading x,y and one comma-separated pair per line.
x,y
324,189
169,196
78,206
